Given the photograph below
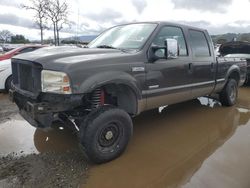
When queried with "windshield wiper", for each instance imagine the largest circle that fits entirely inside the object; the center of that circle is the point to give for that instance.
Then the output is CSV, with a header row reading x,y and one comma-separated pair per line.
x,y
106,46
110,47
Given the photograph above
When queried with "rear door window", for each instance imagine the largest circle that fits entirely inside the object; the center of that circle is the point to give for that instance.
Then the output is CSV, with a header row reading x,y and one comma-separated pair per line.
x,y
199,44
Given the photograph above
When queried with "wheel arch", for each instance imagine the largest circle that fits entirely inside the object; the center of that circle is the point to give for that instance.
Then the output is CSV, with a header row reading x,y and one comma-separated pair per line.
x,y
233,73
121,84
6,82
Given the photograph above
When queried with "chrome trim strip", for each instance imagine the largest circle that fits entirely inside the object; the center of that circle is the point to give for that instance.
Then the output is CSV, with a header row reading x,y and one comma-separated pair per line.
x,y
221,80
153,86
138,69
176,87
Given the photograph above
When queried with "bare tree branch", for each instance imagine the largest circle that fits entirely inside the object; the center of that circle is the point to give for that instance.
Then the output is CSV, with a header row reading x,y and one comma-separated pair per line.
x,y
57,12
38,6
5,35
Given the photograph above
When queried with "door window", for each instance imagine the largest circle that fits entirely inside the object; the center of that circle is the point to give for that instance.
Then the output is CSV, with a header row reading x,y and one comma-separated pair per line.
x,y
199,44
170,32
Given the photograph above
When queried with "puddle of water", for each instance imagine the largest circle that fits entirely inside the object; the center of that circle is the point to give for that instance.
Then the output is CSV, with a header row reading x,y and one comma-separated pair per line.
x,y
229,166
18,136
169,148
189,144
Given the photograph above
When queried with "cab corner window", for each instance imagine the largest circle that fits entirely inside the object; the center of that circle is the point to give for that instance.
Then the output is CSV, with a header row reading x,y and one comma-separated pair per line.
x,y
199,44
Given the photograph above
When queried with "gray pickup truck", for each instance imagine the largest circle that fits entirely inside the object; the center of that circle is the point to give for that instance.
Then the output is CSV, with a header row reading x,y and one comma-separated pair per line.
x,y
126,70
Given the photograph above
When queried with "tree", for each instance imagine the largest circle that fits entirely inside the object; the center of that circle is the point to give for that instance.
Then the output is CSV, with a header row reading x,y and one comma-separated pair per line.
x,y
221,41
57,12
19,39
5,35
245,37
38,6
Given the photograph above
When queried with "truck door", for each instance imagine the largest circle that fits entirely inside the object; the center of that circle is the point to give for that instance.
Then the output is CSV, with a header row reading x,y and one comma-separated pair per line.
x,y
168,80
203,64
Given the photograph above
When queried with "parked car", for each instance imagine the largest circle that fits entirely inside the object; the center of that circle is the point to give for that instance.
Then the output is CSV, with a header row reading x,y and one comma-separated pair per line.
x,y
19,50
237,49
6,72
1,49
5,75
8,47
126,70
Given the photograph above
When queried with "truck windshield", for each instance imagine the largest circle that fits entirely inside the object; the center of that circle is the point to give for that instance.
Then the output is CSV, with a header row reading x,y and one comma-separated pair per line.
x,y
131,36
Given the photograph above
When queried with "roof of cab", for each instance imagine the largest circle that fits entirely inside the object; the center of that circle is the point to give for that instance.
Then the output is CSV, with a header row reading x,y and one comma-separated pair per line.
x,y
168,23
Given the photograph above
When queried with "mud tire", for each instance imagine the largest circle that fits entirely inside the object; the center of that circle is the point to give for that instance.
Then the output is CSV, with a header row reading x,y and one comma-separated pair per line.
x,y
105,133
229,94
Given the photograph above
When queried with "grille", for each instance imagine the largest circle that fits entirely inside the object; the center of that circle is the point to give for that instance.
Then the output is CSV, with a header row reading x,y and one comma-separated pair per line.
x,y
26,75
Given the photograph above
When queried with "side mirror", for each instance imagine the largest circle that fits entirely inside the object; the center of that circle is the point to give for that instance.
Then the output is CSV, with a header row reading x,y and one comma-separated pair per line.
x,y
172,51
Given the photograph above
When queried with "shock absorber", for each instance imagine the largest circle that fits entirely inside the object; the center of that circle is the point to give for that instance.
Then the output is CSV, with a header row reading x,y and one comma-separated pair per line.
x,y
97,98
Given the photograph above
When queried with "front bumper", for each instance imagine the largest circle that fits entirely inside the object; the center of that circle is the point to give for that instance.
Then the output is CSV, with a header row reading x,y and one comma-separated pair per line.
x,y
43,110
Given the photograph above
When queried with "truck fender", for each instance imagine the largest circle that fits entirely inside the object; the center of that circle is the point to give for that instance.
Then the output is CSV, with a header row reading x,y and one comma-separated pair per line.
x,y
234,69
110,77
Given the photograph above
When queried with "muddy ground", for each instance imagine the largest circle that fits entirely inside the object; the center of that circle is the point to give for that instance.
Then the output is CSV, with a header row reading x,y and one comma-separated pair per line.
x,y
194,144
7,109
61,166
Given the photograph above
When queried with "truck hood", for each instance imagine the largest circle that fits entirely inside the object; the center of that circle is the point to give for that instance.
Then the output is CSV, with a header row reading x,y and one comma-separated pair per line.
x,y
50,57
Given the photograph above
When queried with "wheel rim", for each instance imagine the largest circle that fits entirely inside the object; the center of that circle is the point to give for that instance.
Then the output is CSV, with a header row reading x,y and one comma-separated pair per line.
x,y
109,135
233,93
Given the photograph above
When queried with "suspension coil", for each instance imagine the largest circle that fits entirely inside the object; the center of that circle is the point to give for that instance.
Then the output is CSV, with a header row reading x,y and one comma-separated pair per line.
x,y
97,98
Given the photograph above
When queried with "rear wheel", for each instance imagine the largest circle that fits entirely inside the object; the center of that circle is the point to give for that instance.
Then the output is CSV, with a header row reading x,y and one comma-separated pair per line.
x,y
229,94
105,133
247,81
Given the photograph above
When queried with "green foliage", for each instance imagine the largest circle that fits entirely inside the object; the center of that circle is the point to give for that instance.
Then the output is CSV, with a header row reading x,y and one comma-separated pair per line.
x,y
19,39
245,37
220,39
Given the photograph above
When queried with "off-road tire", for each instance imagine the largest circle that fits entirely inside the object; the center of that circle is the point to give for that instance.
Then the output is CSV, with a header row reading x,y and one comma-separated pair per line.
x,y
105,133
247,81
229,94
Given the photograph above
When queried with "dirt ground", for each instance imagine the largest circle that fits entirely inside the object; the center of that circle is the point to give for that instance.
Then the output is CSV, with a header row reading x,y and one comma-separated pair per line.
x,y
43,170
65,167
197,143
7,109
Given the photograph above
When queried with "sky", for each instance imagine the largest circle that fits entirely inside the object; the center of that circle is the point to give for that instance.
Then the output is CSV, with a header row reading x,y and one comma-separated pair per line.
x,y
90,17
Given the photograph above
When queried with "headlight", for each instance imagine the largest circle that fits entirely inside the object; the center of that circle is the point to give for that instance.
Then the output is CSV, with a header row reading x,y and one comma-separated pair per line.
x,y
55,82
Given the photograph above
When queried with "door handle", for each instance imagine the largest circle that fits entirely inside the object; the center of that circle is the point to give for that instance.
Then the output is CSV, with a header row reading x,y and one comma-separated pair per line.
x,y
212,67
190,68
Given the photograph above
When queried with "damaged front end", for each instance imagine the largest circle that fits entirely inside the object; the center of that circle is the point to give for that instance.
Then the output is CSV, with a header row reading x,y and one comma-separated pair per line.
x,y
46,108
32,91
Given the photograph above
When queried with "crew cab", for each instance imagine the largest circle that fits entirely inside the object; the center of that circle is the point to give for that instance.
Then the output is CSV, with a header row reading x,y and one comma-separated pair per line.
x,y
126,70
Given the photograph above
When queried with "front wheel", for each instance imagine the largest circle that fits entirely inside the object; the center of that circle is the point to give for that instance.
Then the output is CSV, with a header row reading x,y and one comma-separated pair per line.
x,y
229,94
105,133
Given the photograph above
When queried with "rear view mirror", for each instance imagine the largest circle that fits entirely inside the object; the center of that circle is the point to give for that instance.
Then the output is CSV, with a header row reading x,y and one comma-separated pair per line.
x,y
172,48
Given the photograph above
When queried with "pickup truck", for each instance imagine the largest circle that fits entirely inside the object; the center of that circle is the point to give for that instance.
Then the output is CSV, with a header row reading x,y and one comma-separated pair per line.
x,y
126,70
